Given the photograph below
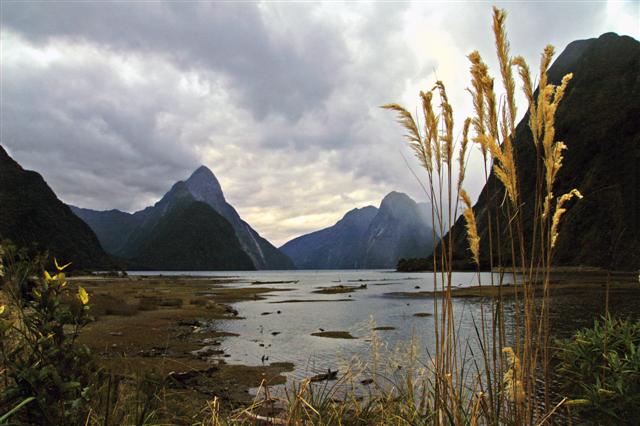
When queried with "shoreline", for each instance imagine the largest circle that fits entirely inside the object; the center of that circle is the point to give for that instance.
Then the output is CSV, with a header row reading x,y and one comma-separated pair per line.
x,y
566,284
165,327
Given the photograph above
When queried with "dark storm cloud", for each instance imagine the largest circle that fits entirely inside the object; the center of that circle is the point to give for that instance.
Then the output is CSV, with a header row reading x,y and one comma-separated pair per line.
x,y
80,123
113,102
284,74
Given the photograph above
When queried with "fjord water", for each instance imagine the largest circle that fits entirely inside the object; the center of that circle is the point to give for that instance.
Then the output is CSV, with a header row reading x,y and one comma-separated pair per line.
x,y
280,329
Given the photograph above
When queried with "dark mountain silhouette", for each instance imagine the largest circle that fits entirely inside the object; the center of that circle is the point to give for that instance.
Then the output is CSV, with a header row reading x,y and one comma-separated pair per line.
x,y
366,237
204,187
598,121
125,235
336,247
401,229
31,215
192,236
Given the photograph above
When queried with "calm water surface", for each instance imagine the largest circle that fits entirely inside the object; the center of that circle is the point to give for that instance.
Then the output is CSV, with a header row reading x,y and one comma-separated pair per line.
x,y
281,330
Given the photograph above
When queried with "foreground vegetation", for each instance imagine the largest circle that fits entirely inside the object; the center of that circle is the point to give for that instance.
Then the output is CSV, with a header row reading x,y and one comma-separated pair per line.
x,y
127,377
50,377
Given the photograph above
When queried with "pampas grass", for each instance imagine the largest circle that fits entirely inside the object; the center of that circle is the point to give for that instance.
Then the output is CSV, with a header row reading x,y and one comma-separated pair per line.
x,y
497,385
513,401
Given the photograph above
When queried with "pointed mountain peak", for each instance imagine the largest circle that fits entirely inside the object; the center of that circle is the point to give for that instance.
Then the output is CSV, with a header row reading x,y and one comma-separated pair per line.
x,y
204,186
202,171
203,174
203,177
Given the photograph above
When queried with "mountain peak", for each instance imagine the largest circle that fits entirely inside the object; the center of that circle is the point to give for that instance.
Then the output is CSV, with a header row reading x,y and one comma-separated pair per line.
x,y
366,238
204,185
395,197
202,172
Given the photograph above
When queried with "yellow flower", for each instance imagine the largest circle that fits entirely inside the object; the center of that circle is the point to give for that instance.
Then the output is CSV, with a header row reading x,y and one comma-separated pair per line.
x,y
83,295
60,278
2,308
58,267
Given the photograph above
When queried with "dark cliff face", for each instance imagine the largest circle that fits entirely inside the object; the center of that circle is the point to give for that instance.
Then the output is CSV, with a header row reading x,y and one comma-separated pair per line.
x,y
598,121
32,216
126,235
366,238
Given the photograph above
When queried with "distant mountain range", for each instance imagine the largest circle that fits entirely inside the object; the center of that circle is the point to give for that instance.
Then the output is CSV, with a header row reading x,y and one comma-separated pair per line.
x,y
191,227
599,121
32,216
367,238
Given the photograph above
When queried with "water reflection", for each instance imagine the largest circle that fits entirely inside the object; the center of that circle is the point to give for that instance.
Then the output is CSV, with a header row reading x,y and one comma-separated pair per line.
x,y
279,328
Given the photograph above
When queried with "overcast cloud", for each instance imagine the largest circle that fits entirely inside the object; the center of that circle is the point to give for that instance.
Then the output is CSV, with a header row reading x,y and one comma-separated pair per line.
x,y
114,102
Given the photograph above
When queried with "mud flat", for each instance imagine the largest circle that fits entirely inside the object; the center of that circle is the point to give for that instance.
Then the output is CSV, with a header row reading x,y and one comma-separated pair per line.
x,y
165,327
334,334
560,283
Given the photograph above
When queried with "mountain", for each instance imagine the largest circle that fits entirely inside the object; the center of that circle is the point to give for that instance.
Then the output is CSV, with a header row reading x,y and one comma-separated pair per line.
x,y
125,235
367,237
31,213
112,226
399,230
204,187
598,121
192,236
336,247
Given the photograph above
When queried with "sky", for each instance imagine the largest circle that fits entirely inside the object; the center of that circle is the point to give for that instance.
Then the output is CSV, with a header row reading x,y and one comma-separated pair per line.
x,y
113,102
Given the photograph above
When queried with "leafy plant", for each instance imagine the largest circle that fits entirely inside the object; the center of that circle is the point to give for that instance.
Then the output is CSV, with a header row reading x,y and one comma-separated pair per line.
x,y
600,370
40,355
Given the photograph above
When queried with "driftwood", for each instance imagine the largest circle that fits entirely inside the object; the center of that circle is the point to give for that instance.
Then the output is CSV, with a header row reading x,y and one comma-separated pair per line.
x,y
329,375
264,419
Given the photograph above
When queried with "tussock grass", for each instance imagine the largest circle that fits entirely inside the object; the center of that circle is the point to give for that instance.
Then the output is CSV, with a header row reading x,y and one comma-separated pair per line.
x,y
499,383
487,383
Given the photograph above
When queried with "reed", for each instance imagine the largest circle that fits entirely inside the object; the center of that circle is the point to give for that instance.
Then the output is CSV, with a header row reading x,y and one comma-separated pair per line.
x,y
508,379
456,386
499,385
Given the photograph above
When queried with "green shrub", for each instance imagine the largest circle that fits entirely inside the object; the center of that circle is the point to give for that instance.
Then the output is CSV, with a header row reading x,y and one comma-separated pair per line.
x,y
39,353
600,370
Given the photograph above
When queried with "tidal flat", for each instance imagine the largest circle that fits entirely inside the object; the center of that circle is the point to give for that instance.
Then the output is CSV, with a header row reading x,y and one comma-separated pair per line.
x,y
224,333
165,327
